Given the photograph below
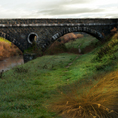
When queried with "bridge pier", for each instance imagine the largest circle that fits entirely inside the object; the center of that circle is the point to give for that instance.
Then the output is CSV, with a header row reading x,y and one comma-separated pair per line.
x,y
28,57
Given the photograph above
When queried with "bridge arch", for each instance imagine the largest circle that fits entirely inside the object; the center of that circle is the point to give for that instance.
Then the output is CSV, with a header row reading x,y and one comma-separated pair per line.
x,y
90,31
11,39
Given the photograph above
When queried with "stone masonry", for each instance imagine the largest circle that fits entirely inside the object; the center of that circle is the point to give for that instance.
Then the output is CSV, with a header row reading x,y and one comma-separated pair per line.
x,y
23,32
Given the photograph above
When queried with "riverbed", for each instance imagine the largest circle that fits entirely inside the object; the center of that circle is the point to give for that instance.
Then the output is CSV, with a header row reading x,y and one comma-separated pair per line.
x,y
11,62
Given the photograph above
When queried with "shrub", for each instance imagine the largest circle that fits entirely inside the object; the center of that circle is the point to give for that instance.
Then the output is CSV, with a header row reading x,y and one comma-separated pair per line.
x,y
98,101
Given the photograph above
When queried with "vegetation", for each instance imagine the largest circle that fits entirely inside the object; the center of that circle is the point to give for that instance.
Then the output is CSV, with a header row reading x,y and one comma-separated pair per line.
x,y
7,49
63,85
108,49
100,101
4,40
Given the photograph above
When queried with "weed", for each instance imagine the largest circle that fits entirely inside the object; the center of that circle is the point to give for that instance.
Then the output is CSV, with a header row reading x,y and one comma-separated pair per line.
x,y
45,67
20,70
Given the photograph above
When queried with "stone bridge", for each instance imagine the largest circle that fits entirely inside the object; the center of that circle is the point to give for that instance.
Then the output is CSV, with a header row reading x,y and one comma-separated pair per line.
x,y
23,32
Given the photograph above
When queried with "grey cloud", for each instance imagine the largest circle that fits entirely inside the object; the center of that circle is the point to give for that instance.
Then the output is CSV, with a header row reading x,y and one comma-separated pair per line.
x,y
60,8
62,11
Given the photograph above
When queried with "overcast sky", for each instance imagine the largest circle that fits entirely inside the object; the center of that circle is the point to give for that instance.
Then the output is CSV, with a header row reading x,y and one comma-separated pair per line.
x,y
58,8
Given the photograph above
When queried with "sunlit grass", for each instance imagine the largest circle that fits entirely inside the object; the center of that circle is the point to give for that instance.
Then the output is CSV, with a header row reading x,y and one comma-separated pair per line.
x,y
4,40
82,42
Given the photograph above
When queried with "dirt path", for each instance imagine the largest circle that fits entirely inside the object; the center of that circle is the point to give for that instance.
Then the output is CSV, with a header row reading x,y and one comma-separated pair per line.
x,y
73,61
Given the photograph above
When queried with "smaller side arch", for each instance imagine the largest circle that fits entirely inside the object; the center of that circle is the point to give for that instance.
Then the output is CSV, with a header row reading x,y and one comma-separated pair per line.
x,y
11,39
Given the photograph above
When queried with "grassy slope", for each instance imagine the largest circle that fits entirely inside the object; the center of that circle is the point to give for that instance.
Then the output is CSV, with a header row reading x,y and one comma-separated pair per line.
x,y
27,90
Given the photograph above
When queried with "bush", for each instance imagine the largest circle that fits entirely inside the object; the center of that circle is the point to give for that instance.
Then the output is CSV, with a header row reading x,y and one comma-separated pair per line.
x,y
98,101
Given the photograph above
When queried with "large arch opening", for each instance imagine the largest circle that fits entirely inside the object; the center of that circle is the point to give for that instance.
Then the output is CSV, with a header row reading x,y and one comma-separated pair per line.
x,y
74,42
67,30
87,30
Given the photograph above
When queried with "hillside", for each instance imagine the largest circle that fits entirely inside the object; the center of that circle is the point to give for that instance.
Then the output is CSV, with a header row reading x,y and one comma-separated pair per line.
x,y
64,85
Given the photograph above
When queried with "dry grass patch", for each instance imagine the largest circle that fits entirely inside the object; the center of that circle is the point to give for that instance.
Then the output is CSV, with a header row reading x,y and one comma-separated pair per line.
x,y
97,101
7,50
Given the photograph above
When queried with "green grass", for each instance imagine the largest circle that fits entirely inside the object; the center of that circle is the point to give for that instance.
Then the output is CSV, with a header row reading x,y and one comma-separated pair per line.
x,y
27,90
85,41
